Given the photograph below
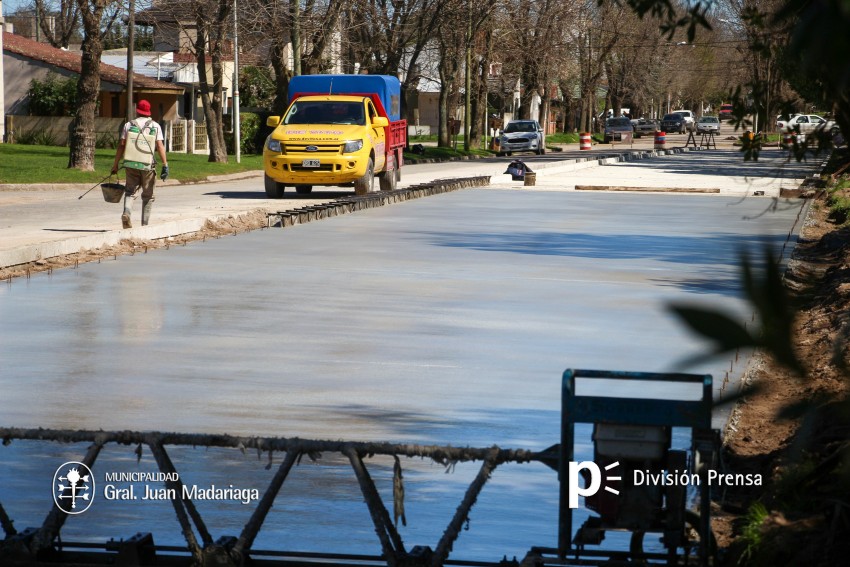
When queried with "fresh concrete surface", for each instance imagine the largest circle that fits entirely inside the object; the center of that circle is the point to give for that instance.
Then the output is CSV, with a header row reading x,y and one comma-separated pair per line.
x,y
447,319
41,223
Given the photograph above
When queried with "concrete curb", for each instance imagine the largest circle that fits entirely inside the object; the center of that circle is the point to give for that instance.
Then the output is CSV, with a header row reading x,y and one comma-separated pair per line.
x,y
45,250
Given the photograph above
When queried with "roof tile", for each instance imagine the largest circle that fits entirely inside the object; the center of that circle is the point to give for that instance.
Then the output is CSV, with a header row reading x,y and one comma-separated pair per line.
x,y
72,61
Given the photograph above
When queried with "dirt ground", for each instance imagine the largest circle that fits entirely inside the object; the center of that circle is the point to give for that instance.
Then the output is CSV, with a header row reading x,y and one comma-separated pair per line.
x,y
818,279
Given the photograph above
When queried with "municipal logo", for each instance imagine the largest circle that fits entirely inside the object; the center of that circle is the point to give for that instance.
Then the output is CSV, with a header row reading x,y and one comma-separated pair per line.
x,y
73,487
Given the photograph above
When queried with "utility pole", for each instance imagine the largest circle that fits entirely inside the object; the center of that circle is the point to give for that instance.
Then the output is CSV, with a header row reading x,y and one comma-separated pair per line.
x,y
237,134
467,111
131,39
2,80
296,37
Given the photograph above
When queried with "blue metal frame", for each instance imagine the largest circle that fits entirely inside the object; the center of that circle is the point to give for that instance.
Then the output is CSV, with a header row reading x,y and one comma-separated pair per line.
x,y
631,411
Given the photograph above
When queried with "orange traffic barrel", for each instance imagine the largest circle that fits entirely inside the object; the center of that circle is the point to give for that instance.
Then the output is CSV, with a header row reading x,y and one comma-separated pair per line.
x,y
584,141
660,140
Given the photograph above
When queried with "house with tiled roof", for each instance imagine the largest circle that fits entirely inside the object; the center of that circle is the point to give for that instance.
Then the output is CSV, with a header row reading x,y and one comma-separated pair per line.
x,y
25,60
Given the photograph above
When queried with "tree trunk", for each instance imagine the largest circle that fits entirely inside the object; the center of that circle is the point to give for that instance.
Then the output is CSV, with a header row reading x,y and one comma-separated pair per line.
x,y
211,98
443,135
282,74
82,136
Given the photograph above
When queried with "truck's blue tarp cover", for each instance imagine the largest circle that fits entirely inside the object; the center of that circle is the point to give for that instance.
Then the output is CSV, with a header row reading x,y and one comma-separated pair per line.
x,y
387,87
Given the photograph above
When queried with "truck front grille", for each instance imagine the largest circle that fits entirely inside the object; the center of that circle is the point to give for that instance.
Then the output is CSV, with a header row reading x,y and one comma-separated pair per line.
x,y
301,148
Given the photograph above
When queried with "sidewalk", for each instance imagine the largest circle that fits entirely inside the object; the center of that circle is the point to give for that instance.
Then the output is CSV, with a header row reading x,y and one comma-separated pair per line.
x,y
40,222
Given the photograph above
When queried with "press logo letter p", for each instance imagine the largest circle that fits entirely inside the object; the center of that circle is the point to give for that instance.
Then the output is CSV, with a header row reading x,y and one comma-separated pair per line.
x,y
573,480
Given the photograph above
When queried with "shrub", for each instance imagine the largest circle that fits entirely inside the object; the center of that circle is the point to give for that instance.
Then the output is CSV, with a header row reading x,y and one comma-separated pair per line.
x,y
40,137
257,87
250,125
106,140
839,202
53,96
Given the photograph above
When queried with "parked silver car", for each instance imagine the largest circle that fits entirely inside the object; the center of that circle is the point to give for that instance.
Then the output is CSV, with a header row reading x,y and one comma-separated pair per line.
x,y
521,136
644,127
708,124
617,128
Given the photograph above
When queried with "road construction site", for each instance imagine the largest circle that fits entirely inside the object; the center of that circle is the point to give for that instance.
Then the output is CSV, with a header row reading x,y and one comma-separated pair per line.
x,y
446,320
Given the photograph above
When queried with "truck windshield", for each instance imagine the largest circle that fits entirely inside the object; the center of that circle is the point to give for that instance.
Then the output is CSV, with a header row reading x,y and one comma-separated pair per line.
x,y
325,112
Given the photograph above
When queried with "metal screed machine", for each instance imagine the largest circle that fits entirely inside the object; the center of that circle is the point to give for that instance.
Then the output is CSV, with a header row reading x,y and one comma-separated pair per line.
x,y
636,483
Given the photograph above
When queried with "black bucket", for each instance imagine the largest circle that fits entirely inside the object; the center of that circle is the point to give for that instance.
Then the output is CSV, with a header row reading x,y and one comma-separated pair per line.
x,y
113,192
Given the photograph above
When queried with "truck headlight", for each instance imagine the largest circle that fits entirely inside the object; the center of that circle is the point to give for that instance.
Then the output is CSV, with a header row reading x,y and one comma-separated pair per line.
x,y
273,145
352,146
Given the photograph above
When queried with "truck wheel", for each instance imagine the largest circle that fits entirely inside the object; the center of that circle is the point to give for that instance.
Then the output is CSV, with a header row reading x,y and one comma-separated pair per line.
x,y
364,185
303,189
387,179
274,190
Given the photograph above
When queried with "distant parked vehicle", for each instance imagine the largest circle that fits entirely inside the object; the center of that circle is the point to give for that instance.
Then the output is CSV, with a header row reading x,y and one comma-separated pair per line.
x,y
708,124
805,123
522,136
644,127
673,123
689,117
615,128
725,111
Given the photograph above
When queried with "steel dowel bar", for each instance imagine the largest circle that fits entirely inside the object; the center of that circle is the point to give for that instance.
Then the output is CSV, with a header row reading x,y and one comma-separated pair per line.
x,y
453,530
390,540
56,517
363,202
182,517
440,454
252,527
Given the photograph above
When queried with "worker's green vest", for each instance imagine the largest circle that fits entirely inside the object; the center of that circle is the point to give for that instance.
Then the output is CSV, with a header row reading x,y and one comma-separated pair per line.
x,y
140,144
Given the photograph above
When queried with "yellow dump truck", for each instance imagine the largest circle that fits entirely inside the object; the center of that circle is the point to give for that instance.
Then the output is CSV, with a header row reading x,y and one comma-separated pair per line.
x,y
338,130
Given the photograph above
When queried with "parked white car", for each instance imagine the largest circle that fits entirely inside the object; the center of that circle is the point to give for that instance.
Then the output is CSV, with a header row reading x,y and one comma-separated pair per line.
x,y
806,123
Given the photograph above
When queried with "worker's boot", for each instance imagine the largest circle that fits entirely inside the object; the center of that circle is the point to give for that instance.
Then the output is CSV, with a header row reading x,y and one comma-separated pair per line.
x,y
146,211
128,211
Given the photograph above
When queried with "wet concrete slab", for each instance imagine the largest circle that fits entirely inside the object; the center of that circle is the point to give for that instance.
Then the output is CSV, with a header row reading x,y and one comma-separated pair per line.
x,y
448,319
445,320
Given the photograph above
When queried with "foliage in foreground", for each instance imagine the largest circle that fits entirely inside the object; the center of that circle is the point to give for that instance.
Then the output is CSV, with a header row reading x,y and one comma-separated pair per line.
x,y
803,517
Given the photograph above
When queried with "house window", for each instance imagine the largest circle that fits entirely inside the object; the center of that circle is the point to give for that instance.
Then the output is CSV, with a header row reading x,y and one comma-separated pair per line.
x,y
116,105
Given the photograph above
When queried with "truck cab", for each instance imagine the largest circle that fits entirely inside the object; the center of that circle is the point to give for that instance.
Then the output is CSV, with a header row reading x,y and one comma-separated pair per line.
x,y
346,136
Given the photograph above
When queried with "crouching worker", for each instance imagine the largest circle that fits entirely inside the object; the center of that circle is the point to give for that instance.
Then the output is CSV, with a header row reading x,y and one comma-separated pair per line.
x,y
141,141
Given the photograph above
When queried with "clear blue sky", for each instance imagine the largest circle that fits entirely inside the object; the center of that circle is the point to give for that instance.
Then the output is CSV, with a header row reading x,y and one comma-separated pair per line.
x,y
10,6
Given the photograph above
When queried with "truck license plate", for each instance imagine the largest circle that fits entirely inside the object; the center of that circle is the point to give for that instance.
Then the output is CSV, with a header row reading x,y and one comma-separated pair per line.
x,y
310,163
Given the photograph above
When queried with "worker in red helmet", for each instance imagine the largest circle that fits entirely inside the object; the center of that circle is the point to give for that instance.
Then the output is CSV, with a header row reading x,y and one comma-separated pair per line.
x,y
141,141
